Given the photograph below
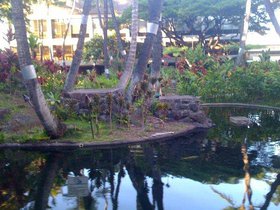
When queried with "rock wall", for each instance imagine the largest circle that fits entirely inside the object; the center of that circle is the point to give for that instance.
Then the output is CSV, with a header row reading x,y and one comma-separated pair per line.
x,y
185,109
177,108
77,97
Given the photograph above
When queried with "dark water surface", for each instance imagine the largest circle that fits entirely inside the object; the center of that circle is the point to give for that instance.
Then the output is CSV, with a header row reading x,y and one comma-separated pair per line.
x,y
227,168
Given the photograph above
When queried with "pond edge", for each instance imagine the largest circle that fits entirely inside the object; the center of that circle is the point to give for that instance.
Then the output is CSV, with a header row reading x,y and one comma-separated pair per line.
x,y
68,145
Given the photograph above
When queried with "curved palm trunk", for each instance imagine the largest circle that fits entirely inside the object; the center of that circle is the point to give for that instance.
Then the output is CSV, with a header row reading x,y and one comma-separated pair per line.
x,y
124,80
240,58
117,29
71,76
270,11
155,8
52,126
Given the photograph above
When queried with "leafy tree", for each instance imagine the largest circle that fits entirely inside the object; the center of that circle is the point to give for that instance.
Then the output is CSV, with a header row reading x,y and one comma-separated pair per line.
x,y
93,48
206,18
270,7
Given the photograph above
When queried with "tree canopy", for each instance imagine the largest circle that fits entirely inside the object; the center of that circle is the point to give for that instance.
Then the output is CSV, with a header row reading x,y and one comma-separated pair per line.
x,y
205,18
209,18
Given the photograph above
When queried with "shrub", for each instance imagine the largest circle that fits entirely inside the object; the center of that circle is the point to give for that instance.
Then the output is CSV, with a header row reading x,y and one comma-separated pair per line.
x,y
257,83
9,68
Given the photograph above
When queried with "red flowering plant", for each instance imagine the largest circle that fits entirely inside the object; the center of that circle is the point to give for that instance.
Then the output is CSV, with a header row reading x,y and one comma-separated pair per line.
x,y
9,64
9,69
198,68
50,75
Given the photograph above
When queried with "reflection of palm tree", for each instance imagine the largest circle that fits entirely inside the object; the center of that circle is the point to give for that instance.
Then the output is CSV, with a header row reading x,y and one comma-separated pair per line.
x,y
269,195
47,177
139,183
116,195
223,195
247,178
157,188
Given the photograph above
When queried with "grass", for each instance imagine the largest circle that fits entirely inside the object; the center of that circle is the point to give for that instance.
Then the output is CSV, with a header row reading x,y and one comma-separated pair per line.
x,y
78,129
20,133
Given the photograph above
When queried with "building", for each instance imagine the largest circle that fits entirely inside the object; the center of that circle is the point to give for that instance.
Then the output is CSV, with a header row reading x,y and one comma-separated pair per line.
x,y
49,24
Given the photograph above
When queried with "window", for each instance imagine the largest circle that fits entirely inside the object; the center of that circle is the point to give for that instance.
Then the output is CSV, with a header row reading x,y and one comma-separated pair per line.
x,y
75,28
58,51
40,28
58,28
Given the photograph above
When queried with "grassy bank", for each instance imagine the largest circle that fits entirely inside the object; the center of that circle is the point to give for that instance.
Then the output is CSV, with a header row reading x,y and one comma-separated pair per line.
x,y
21,125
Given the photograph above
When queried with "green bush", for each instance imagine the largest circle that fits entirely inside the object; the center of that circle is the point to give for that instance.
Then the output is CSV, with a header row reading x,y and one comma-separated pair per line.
x,y
174,51
257,83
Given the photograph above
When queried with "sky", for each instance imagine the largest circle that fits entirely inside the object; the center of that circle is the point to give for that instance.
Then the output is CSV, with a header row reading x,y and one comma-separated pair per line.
x,y
271,38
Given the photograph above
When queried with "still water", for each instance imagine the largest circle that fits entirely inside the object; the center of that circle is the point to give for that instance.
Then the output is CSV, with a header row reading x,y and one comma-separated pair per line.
x,y
228,167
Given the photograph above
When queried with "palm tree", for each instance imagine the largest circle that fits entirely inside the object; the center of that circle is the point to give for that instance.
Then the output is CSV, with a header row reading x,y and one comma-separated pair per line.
x,y
104,26
71,76
52,126
155,8
117,29
156,55
66,32
240,57
124,80
105,41
270,11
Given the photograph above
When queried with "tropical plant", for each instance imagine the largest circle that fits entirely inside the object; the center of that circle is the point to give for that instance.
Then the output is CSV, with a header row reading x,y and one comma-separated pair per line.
x,y
33,42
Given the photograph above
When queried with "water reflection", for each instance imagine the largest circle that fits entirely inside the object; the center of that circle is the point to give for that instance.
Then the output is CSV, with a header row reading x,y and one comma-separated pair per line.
x,y
198,172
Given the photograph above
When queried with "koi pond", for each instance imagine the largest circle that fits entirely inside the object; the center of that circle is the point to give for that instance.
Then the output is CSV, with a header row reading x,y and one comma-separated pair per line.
x,y
228,167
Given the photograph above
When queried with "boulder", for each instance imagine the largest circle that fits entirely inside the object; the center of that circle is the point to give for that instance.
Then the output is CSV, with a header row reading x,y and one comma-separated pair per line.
x,y
240,120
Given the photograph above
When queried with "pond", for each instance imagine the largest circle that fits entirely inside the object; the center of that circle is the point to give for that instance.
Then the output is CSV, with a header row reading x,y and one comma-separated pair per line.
x,y
228,167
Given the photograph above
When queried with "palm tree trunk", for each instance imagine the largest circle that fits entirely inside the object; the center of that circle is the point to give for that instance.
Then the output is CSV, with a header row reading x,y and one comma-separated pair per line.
x,y
124,80
71,76
105,41
157,55
66,32
240,57
270,11
99,14
117,29
155,8
41,32
52,126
